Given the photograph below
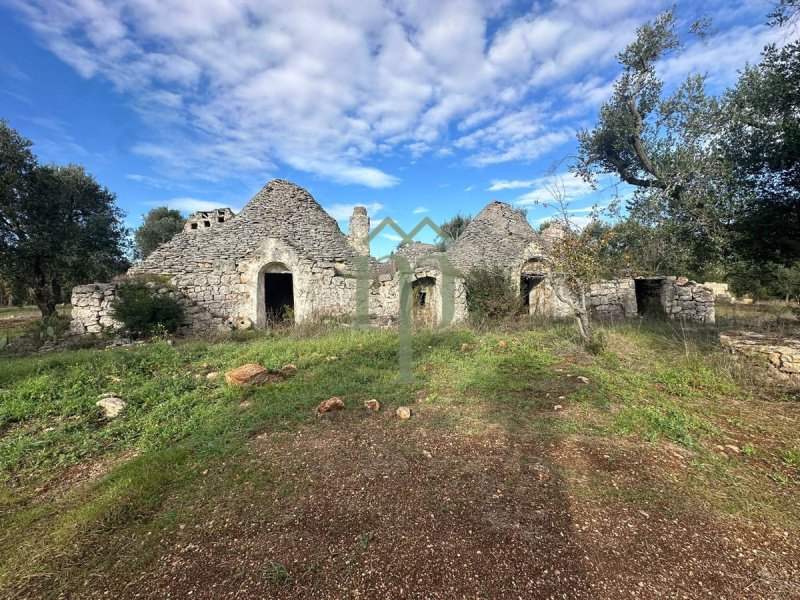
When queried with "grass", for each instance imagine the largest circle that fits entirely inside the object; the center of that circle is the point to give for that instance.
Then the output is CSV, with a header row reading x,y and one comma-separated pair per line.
x,y
73,482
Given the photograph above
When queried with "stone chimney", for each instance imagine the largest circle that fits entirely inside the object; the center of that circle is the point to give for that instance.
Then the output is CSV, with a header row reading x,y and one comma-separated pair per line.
x,y
358,235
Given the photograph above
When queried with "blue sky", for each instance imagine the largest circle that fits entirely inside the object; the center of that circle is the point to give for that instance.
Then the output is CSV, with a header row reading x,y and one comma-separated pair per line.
x,y
411,108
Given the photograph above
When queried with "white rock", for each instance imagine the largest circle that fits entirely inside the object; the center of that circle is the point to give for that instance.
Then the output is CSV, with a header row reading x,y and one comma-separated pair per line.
x,y
111,405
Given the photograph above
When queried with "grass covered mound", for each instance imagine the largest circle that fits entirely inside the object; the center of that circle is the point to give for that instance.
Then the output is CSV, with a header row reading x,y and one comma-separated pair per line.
x,y
90,504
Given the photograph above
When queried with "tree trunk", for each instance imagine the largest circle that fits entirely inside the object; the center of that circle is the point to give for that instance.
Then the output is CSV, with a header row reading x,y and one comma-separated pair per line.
x,y
44,301
584,326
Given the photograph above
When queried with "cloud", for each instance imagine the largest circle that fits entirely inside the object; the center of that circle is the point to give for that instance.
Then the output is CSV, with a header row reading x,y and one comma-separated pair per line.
x,y
568,185
335,88
392,236
420,210
343,212
145,180
190,205
504,184
12,71
469,188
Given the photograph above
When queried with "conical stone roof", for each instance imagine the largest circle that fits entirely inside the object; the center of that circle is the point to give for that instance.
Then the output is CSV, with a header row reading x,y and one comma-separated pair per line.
x,y
497,237
281,210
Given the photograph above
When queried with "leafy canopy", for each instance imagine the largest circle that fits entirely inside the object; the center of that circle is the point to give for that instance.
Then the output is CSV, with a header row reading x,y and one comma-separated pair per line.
x,y
159,226
58,226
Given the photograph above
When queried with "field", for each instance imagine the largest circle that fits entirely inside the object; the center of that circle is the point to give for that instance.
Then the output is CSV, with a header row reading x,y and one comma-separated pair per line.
x,y
672,469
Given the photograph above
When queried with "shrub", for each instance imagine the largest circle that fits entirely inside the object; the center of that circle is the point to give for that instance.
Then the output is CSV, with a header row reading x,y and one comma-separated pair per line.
x,y
141,308
491,294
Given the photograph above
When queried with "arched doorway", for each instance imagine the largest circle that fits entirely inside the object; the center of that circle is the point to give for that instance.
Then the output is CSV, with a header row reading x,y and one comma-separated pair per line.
x,y
275,295
423,301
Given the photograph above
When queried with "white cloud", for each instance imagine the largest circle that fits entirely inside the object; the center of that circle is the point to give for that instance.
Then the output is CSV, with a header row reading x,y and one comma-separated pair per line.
x,y
392,236
469,188
190,205
566,184
420,210
505,184
333,87
343,212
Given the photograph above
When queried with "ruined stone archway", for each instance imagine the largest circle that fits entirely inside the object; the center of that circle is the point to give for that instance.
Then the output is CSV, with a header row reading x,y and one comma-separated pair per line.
x,y
276,295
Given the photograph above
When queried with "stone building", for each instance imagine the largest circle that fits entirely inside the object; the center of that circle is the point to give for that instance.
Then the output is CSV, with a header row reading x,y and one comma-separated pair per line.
x,y
284,258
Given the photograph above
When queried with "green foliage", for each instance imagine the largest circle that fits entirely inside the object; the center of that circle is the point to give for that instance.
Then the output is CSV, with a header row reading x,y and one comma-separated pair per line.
x,y
491,294
59,227
667,147
762,142
714,178
158,226
763,281
791,456
452,230
141,308
667,420
277,575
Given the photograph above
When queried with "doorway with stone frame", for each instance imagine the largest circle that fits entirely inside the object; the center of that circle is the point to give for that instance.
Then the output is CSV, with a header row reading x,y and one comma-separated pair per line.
x,y
275,295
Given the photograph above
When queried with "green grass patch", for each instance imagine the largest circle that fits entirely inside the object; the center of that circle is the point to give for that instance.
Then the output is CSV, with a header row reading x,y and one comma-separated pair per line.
x,y
652,381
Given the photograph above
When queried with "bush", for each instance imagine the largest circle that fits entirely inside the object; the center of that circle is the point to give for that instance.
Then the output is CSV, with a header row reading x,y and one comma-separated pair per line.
x,y
491,294
141,308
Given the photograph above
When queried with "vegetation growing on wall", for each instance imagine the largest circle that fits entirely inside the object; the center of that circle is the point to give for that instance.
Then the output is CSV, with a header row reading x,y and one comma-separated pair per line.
x,y
146,308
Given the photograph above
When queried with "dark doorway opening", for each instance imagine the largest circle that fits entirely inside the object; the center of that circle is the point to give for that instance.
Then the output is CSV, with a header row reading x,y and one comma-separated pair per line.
x,y
526,285
648,297
278,296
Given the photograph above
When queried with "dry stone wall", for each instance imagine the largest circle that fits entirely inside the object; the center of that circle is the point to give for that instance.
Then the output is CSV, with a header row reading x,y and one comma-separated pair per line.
x,y
220,274
91,308
614,298
386,281
221,271
721,291
687,300
779,353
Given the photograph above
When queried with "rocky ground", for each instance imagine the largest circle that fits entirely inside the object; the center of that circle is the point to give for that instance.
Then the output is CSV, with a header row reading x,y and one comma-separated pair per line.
x,y
368,507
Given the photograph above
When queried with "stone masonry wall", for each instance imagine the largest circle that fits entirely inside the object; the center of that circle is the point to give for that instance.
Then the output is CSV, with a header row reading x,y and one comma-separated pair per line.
x,y
91,308
781,354
384,294
92,305
721,291
687,300
614,298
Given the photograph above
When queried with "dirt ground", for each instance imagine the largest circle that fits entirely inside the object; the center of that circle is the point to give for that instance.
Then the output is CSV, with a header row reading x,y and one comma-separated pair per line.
x,y
361,505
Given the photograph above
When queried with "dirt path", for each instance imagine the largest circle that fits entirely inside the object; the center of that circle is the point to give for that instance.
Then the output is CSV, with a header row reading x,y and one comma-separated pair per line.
x,y
361,506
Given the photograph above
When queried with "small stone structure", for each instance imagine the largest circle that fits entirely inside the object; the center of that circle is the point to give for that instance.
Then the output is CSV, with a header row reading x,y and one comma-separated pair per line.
x,y
721,291
204,220
781,354
284,258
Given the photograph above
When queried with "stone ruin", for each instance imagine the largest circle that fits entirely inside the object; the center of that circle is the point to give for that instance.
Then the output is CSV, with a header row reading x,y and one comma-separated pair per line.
x,y
284,258
779,353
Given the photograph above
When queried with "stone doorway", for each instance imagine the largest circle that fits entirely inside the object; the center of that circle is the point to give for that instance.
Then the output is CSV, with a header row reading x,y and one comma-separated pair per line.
x,y
648,297
276,287
527,284
423,298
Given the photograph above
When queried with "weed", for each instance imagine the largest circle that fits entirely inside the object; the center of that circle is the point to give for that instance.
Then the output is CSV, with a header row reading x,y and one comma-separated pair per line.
x,y
277,575
791,457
